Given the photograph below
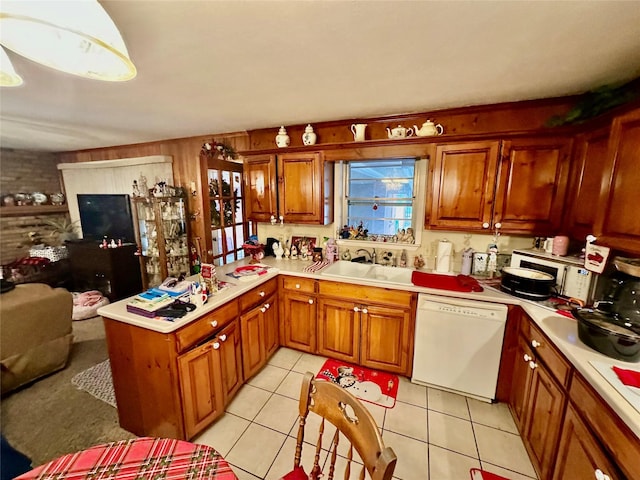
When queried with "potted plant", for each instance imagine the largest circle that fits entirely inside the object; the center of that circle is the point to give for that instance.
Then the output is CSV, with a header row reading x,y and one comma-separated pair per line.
x,y
62,228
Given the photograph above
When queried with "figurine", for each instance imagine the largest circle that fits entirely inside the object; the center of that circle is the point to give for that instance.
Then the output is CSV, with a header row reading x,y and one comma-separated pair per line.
x,y
409,238
346,255
294,252
418,262
332,250
278,250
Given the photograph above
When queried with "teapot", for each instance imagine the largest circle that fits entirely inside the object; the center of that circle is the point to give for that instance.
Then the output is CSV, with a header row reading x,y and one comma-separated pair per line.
x,y
399,132
428,129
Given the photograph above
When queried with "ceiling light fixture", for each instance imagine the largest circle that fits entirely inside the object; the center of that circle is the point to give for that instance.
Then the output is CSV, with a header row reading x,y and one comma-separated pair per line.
x,y
76,37
8,75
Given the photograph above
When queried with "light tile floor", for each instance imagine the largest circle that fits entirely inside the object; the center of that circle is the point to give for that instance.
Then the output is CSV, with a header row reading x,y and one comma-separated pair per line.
x,y
436,435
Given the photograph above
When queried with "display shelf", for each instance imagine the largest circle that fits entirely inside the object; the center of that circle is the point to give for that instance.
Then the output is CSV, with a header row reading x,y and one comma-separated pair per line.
x,y
31,210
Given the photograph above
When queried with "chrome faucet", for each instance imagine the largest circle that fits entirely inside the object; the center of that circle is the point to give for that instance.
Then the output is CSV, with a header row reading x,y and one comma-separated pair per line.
x,y
371,254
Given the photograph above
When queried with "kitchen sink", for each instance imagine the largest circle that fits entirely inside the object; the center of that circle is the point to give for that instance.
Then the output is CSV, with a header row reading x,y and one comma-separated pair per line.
x,y
364,271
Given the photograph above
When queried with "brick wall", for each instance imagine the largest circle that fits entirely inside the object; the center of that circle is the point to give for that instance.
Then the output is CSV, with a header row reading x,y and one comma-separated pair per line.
x,y
25,171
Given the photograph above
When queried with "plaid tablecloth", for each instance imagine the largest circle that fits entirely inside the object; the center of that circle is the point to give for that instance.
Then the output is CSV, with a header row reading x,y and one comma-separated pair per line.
x,y
140,458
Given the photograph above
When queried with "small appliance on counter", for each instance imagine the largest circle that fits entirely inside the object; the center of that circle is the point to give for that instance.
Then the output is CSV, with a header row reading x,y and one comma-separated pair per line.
x,y
613,326
570,278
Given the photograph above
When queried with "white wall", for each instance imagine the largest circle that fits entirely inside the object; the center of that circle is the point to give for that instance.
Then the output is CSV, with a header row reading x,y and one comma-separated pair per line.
x,y
112,176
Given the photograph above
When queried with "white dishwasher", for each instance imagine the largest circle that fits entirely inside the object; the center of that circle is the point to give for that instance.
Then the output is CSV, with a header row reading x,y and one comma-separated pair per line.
x,y
458,344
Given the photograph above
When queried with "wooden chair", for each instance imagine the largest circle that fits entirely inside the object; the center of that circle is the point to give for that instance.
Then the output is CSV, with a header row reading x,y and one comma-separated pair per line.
x,y
352,422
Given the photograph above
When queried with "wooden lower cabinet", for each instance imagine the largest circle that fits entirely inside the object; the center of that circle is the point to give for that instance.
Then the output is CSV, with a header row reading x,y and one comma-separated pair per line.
x,y
544,408
232,376
202,397
386,344
338,330
259,330
374,331
299,320
579,454
520,383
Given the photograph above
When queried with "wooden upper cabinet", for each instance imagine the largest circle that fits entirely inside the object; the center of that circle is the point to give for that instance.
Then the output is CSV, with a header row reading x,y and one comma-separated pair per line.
x,y
464,178
305,188
532,183
617,221
586,176
260,185
296,186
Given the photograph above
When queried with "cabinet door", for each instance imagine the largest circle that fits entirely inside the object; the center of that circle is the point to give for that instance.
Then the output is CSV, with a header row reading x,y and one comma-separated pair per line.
x,y
271,326
579,455
544,407
253,354
230,360
299,311
586,176
520,382
300,187
339,330
260,185
201,395
617,220
532,184
386,336
464,181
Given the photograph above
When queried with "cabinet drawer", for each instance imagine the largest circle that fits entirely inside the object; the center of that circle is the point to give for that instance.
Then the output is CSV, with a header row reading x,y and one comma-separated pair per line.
x,y
257,295
365,294
206,325
545,351
614,435
297,284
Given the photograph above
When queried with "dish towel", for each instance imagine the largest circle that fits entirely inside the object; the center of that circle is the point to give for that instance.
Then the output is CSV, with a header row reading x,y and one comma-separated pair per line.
x,y
459,283
314,267
477,474
630,378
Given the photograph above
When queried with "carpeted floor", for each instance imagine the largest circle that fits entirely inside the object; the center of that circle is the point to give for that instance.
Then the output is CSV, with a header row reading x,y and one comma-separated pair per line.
x,y
52,417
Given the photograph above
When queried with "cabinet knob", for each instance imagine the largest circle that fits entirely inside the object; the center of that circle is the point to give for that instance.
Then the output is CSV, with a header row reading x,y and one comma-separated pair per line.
x,y
485,225
497,225
527,358
364,310
535,343
214,324
262,294
311,301
356,309
223,338
216,345
263,309
297,285
600,475
266,305
533,365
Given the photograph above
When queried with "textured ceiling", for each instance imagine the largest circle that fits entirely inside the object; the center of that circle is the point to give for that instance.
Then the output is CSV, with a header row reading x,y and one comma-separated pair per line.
x,y
223,66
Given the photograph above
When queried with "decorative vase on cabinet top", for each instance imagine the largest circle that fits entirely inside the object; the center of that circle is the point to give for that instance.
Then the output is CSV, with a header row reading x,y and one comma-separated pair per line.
x,y
309,137
282,139
428,129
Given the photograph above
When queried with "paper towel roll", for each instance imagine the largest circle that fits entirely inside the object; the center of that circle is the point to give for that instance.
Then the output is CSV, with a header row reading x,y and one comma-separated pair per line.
x,y
443,256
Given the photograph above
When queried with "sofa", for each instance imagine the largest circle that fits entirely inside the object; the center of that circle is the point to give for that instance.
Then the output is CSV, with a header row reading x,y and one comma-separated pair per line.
x,y
35,333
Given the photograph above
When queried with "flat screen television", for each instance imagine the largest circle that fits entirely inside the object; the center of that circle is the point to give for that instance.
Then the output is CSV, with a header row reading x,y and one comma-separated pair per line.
x,y
106,215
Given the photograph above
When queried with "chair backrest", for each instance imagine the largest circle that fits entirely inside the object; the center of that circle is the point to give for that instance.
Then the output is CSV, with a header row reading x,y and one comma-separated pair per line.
x,y
353,422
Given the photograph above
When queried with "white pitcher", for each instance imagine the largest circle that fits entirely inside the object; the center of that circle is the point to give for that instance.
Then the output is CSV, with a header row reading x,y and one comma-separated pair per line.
x,y
358,131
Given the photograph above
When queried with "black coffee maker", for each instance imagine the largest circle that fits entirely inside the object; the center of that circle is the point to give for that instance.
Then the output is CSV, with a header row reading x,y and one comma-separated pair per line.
x,y
623,296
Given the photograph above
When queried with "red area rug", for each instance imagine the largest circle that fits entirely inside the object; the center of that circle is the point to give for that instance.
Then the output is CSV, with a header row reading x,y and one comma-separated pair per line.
x,y
368,385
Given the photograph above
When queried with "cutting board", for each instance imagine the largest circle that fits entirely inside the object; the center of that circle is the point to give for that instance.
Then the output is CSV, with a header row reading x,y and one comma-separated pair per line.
x,y
631,394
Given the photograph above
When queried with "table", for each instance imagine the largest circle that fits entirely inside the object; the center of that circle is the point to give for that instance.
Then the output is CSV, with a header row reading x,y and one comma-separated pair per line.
x,y
139,458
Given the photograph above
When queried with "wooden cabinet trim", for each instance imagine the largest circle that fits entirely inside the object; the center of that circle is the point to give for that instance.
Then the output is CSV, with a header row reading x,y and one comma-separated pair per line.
x,y
365,294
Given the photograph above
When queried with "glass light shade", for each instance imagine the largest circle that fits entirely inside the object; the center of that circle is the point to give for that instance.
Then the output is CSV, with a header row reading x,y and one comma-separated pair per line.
x,y
76,37
8,76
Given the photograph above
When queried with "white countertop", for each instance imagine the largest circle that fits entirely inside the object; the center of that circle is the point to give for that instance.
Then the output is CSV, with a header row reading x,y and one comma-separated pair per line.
x,y
562,331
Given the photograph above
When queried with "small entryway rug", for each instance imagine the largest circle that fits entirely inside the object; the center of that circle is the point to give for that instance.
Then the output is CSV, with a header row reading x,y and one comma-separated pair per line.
x,y
379,388
97,382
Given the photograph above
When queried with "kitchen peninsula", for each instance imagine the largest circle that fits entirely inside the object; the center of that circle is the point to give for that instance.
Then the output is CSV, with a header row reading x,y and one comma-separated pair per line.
x,y
174,378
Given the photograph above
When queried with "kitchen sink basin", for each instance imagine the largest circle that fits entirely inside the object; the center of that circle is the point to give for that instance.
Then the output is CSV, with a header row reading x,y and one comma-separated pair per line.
x,y
363,271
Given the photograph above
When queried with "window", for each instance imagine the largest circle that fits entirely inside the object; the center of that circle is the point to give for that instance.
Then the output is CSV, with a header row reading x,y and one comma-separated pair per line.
x,y
229,230
380,195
